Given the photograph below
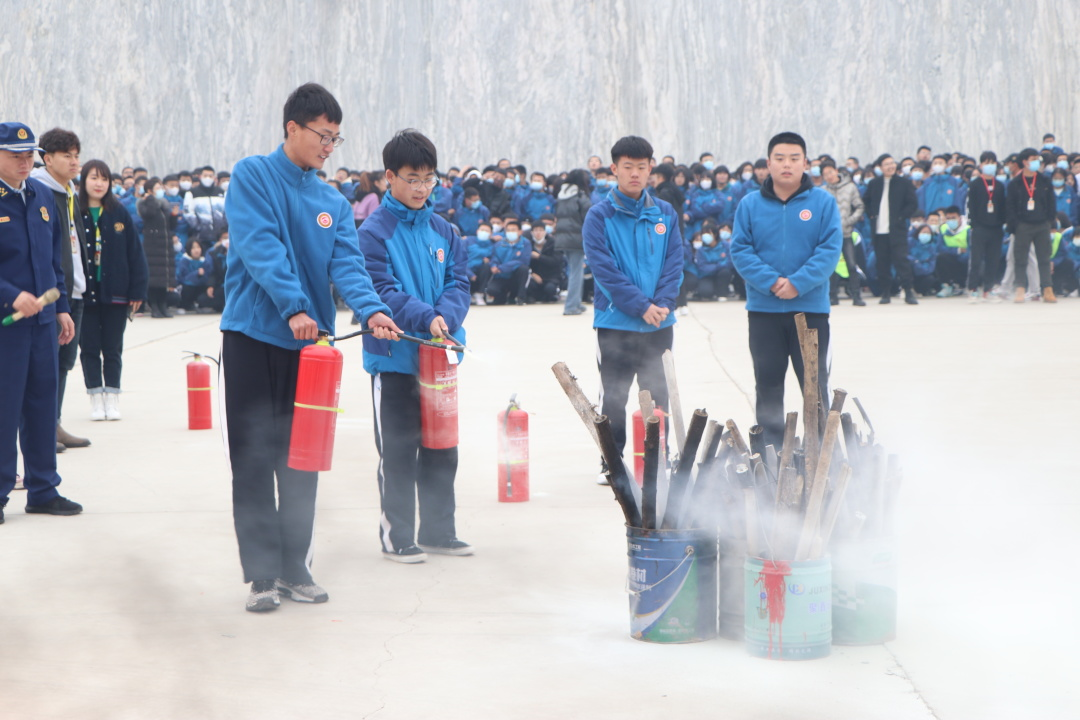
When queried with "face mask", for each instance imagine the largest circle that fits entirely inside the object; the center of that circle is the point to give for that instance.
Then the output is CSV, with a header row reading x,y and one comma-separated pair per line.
x,y
1076,240
159,193
118,190
857,179
1035,165
508,183
725,234
1058,183
177,247
696,244
878,172
549,229
905,170
1063,164
1002,177
496,228
952,224
526,227
490,180
511,236
172,192
709,164
475,204
224,185
536,185
989,169
705,184
916,174
185,185
206,182
937,169
1048,146
747,175
924,238
852,168
815,171
707,238
483,235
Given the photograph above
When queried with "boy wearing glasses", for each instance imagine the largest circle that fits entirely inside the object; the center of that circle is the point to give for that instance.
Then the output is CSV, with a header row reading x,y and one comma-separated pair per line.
x,y
290,236
419,267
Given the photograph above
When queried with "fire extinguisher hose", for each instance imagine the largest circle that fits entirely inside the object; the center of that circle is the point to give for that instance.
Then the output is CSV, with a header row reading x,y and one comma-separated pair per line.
x,y
506,440
456,347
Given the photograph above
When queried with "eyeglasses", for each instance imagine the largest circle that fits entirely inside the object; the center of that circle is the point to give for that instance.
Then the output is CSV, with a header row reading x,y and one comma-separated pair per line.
x,y
426,183
326,139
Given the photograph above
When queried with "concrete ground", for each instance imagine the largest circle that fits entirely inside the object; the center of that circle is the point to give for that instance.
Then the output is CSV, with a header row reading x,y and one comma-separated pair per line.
x,y
134,609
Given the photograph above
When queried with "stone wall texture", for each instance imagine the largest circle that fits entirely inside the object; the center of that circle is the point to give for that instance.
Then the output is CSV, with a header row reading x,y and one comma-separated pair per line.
x,y
178,83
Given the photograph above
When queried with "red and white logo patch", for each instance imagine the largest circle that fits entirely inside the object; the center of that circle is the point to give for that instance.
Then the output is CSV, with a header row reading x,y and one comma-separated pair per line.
x,y
660,228
324,220
440,255
805,215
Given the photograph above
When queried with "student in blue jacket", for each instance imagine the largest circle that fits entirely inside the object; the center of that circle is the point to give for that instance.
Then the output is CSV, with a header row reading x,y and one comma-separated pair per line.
x,y
923,249
534,200
479,248
510,266
418,264
786,244
472,212
635,251
290,235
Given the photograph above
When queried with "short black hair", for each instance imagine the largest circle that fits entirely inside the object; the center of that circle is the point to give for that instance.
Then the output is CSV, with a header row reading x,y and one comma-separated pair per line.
x,y
308,102
511,221
704,155
410,147
138,170
633,147
988,155
170,178
58,140
787,138
952,210
224,175
761,163
828,162
944,158
205,168
1025,154
183,173
664,170
923,147
471,192
1049,136
721,169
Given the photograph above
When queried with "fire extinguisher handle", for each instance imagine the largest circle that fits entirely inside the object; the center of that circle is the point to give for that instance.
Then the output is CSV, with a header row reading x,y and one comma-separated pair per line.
x,y
199,355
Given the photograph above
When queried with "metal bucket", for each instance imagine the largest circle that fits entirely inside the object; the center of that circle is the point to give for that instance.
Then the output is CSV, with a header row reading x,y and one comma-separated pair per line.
x,y
672,585
788,609
732,588
864,592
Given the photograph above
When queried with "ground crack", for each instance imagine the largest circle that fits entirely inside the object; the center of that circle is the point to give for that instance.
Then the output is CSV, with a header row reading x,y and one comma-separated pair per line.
x,y
712,351
904,674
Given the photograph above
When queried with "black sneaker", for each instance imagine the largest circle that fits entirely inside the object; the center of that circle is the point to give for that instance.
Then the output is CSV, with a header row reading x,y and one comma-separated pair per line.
x,y
408,555
454,547
2,505
57,506
263,597
308,593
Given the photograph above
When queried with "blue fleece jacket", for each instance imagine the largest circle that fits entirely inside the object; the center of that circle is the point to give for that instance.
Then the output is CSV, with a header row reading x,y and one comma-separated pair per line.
x,y
534,203
469,219
418,265
702,204
937,193
508,256
478,250
799,239
924,256
289,233
635,252
709,260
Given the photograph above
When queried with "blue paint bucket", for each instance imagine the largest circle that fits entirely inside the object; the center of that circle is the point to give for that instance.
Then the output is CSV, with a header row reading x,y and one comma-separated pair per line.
x,y
672,585
864,592
788,609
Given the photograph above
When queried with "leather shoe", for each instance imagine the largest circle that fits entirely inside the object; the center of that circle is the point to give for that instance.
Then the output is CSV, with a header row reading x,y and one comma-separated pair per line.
x,y
60,447
57,506
68,440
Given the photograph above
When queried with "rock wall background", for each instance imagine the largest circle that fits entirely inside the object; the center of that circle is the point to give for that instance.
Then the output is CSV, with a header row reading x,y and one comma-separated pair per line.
x,y
545,82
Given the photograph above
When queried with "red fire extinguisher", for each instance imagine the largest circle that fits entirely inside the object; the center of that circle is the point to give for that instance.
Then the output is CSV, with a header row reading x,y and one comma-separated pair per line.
x,y
315,411
513,453
198,396
438,398
639,443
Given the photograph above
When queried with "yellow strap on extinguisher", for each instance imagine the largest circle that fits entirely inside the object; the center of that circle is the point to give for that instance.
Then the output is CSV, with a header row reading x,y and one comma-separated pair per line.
x,y
438,387
318,407
205,388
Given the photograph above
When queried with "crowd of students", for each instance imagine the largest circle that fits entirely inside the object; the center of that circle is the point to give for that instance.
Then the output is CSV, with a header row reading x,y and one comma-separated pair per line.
x,y
522,229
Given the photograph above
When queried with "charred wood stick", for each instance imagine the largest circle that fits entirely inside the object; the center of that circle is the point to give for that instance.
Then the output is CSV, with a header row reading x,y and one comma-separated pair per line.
x,y
832,510
647,405
737,438
788,447
812,519
620,480
808,346
648,482
757,440
866,419
851,442
681,479
674,400
798,459
713,436
838,397
585,409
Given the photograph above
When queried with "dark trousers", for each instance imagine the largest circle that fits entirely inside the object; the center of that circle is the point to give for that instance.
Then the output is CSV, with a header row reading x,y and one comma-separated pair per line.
x,y
28,366
190,294
892,252
774,339
707,287
984,245
408,471
483,275
1065,277
258,386
952,269
545,291
103,338
853,282
1027,235
506,288
927,284
67,356
623,355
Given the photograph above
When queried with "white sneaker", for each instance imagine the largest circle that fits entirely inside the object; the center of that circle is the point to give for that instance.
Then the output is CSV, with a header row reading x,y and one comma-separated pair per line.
x,y
478,299
974,297
946,291
97,406
112,406
683,310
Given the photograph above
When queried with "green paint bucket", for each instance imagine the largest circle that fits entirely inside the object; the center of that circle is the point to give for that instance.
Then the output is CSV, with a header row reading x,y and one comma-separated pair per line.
x,y
672,585
788,609
864,592
732,588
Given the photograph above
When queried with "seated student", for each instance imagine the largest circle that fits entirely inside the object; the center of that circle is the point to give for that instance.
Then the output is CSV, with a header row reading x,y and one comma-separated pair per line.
x,y
923,249
219,254
536,200
510,267
545,267
703,202
479,248
1070,239
496,227
1064,195
729,192
1063,269
194,273
712,262
604,184
471,213
952,264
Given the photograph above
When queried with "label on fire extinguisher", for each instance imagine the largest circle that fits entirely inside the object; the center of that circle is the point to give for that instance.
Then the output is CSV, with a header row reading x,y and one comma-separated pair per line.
x,y
451,357
446,401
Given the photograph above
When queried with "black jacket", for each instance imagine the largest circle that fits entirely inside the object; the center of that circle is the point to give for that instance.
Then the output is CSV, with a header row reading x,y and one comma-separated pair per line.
x,y
1016,200
978,199
123,265
157,242
903,203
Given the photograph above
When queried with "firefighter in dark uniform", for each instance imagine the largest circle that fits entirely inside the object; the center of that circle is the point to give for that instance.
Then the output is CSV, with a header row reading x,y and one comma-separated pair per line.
x,y
31,243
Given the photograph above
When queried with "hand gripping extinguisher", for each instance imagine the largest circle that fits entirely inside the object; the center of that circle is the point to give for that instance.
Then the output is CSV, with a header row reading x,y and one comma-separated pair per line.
x,y
315,411
639,443
198,392
438,397
513,453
